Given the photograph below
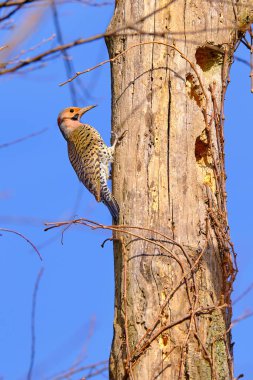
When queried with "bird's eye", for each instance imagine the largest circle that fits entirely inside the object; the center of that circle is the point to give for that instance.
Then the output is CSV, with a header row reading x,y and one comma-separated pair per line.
x,y
71,110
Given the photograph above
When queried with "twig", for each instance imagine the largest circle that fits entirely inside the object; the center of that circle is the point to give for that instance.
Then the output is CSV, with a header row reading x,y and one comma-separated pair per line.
x,y
90,367
70,371
8,3
243,294
32,48
23,237
97,372
49,52
66,58
131,26
33,332
119,228
242,60
239,376
11,13
65,47
25,29
242,317
5,145
245,42
137,45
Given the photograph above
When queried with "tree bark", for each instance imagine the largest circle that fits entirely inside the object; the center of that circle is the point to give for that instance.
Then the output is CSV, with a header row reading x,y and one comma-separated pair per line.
x,y
173,280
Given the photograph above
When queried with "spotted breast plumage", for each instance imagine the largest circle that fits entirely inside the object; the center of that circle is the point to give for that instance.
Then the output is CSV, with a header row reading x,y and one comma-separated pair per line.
x,y
89,156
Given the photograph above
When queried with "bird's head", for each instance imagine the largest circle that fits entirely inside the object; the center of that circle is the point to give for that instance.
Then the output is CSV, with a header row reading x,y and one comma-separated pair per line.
x,y
69,119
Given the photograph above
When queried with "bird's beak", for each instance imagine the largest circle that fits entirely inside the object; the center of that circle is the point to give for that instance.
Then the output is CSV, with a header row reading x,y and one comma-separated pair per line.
x,y
85,109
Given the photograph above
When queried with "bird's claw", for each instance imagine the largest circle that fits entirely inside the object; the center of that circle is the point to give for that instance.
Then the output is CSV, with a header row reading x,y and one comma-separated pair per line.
x,y
122,135
117,138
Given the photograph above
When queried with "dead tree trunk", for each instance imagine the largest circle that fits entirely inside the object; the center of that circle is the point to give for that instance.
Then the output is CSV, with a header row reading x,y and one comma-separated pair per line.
x,y
174,271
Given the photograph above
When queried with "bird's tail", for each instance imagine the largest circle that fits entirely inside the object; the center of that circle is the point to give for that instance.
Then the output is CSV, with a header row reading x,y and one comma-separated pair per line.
x,y
111,203
113,207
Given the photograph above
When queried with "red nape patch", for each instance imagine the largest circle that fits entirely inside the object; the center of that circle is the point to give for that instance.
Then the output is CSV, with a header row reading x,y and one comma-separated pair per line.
x,y
59,120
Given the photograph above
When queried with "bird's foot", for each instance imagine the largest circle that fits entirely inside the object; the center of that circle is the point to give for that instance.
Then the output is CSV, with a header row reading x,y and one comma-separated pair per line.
x,y
117,138
122,136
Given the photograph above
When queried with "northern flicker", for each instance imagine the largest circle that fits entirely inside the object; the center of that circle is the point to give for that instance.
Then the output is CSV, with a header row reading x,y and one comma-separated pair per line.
x,y
89,156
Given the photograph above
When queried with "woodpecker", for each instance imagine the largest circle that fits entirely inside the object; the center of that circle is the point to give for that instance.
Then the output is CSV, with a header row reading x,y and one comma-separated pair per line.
x,y
89,155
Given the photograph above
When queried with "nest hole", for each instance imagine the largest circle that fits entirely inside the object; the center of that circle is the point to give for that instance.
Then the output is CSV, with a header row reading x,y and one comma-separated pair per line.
x,y
201,149
208,57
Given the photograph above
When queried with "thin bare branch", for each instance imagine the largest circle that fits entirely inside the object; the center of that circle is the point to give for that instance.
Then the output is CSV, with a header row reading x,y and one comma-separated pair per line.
x,y
32,48
66,58
23,237
239,59
27,137
137,45
27,25
33,319
244,293
96,373
71,370
11,13
124,28
50,52
242,317
94,369
9,3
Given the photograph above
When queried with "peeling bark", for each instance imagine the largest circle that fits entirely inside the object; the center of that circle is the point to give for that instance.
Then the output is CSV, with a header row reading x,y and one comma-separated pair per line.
x,y
172,290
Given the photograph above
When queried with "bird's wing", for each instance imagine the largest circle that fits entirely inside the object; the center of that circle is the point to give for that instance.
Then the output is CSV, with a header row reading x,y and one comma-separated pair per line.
x,y
86,163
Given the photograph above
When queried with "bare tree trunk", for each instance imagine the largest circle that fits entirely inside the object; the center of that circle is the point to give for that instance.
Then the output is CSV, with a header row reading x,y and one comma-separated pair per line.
x,y
173,281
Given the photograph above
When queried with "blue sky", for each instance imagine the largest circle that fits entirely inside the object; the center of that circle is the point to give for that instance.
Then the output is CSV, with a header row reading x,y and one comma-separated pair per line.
x,y
38,185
